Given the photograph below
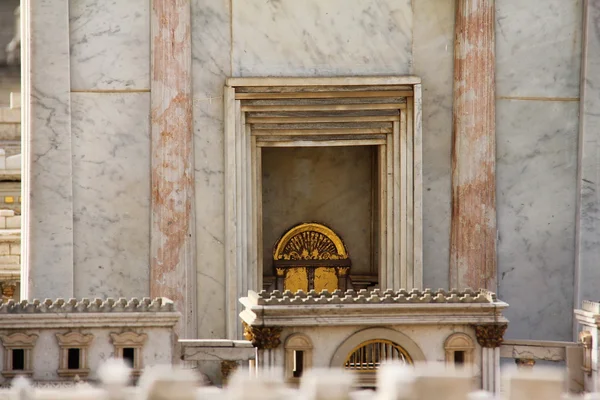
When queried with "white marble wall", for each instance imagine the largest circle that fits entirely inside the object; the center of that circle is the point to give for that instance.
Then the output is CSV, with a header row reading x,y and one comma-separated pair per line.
x,y
538,49
538,52
111,191
434,60
315,37
211,64
588,249
110,44
110,68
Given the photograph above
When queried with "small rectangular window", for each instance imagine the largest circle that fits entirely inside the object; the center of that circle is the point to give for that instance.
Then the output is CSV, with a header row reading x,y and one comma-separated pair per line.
x,y
459,357
18,359
73,359
129,355
298,363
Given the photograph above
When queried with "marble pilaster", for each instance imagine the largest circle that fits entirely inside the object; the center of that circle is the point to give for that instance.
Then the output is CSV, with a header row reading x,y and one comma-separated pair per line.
x,y
588,218
211,29
46,135
473,224
433,63
172,249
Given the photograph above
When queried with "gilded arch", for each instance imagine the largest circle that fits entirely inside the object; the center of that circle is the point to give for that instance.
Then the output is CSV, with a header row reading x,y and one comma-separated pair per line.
x,y
311,256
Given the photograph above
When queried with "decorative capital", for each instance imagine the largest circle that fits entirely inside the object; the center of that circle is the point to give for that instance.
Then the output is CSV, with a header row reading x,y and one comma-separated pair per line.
x,y
491,335
263,337
585,338
8,289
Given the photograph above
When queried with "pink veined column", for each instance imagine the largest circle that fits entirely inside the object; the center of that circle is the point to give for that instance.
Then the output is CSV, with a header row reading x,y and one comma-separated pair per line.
x,y
473,227
172,270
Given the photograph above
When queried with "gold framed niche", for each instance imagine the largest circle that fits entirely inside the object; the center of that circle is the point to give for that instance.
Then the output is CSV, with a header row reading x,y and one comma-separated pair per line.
x,y
383,112
311,256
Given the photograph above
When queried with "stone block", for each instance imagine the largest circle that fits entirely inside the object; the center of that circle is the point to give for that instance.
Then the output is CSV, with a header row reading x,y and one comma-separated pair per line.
x,y
10,260
2,222
13,162
15,249
4,249
10,115
13,222
15,100
7,213
541,383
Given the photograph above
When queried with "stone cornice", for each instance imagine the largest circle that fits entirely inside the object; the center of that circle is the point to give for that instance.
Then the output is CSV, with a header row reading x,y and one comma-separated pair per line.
x,y
372,310
88,320
84,313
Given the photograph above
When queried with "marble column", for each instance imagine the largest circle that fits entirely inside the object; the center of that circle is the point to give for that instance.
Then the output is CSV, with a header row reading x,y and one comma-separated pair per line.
x,y
266,339
47,180
490,338
172,270
587,273
473,225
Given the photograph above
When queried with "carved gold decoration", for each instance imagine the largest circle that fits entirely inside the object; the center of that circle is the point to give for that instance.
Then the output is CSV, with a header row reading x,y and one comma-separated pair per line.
x,y
310,256
8,289
263,337
326,279
227,368
296,279
490,335
585,338
310,241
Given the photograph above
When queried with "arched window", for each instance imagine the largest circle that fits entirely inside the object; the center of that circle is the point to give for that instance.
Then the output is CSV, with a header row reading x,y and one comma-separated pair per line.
x,y
459,349
368,356
298,356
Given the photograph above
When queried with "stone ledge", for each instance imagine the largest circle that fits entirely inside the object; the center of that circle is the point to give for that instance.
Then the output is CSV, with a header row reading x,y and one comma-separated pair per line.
x,y
217,350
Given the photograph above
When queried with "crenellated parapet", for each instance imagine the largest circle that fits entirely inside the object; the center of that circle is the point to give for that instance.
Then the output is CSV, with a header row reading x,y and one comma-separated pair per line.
x,y
109,305
377,296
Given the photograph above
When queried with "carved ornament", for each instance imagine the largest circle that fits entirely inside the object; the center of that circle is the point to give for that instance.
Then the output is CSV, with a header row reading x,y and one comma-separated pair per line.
x,y
491,335
263,337
310,241
227,368
310,256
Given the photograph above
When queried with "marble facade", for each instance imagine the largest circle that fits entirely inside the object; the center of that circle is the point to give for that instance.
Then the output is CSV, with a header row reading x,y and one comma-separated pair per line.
x,y
89,77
